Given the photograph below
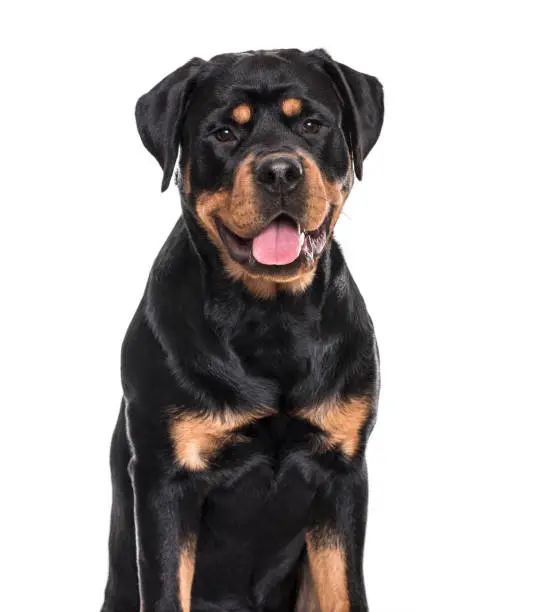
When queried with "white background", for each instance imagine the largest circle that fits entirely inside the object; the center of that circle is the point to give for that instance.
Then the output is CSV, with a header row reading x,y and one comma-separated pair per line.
x,y
443,237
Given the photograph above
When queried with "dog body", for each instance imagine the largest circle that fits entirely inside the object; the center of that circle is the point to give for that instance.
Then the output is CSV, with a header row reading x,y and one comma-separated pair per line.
x,y
250,369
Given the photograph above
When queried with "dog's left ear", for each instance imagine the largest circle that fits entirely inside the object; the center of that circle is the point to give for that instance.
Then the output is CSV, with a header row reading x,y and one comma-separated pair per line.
x,y
159,115
363,107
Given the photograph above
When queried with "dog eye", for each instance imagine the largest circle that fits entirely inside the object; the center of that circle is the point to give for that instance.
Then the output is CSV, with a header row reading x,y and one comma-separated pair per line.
x,y
311,126
225,135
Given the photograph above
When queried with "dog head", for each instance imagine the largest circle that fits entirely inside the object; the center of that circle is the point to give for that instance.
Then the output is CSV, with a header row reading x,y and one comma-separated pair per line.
x,y
268,143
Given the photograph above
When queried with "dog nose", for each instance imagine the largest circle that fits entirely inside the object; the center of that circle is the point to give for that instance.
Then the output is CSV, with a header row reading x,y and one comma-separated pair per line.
x,y
279,173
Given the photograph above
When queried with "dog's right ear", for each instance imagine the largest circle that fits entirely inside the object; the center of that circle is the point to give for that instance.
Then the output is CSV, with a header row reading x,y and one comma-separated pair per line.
x,y
159,115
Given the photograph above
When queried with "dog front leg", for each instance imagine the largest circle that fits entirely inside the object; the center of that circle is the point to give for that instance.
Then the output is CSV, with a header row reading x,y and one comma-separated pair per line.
x,y
335,543
167,514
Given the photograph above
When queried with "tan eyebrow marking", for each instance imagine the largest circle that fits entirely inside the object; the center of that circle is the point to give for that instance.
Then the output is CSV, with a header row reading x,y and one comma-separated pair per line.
x,y
241,113
291,107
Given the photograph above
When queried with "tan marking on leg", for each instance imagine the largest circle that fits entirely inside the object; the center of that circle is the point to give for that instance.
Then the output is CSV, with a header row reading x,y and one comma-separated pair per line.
x,y
291,107
196,437
329,573
341,422
187,560
241,114
307,599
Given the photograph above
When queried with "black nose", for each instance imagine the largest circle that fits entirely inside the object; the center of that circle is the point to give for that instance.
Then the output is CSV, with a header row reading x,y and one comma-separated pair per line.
x,y
279,173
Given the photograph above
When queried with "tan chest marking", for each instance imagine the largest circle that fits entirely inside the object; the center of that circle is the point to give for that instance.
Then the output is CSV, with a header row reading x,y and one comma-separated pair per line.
x,y
329,573
241,114
196,437
341,422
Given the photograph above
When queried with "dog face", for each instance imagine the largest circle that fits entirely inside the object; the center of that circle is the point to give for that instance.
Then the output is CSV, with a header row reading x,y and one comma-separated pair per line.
x,y
268,142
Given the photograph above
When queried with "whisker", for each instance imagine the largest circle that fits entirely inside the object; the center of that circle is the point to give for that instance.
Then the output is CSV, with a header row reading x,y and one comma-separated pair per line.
x,y
317,196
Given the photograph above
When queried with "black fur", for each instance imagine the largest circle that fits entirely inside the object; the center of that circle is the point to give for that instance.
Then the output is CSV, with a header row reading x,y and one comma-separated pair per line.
x,y
199,341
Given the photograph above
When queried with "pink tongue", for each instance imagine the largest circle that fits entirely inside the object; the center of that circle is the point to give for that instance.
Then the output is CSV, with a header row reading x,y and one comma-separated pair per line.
x,y
279,244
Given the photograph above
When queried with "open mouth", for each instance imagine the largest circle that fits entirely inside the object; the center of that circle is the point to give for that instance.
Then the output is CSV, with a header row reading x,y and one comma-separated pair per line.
x,y
280,243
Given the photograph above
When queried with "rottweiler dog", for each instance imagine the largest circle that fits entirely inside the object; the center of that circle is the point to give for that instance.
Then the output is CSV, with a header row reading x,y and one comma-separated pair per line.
x,y
250,369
